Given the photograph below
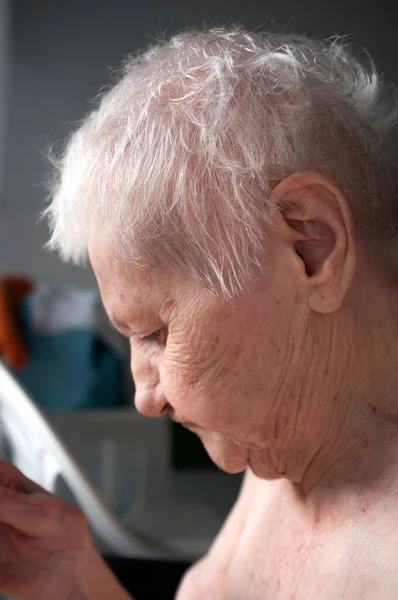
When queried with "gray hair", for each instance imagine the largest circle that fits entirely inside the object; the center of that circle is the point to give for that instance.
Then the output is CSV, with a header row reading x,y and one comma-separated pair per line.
x,y
175,164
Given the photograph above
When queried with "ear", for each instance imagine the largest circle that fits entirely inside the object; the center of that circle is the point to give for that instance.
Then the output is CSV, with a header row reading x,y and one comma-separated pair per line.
x,y
316,224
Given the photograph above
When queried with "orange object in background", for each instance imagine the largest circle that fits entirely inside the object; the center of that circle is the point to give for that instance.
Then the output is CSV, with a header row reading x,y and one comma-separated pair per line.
x,y
13,290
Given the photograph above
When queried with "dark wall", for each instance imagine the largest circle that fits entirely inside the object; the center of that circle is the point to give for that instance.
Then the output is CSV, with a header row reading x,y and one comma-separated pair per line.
x,y
63,51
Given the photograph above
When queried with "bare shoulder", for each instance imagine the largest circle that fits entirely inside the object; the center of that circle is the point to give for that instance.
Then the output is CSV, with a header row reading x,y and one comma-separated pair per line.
x,y
199,582
254,496
207,578
375,554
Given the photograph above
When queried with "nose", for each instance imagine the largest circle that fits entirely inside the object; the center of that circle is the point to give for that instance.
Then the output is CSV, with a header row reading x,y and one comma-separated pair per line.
x,y
150,399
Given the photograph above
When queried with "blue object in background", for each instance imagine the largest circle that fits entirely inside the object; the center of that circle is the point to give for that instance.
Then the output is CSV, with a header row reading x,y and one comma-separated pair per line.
x,y
71,369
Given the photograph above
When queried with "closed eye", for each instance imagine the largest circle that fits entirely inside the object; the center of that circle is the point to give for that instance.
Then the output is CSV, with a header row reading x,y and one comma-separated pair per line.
x,y
159,336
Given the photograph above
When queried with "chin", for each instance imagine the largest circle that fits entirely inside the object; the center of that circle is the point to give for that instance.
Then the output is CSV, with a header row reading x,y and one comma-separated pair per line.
x,y
225,454
261,467
230,468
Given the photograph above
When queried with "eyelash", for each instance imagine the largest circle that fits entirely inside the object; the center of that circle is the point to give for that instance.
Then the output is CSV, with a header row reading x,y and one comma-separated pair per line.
x,y
154,337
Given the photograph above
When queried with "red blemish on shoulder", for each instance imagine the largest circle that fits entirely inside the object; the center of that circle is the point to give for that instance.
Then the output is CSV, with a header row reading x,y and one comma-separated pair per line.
x,y
299,547
364,443
317,515
365,509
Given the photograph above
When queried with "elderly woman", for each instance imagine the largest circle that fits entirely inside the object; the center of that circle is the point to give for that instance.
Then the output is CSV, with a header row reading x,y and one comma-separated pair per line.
x,y
236,195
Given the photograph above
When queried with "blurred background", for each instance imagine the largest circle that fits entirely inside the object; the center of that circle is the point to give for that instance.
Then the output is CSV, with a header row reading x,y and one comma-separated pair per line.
x,y
55,55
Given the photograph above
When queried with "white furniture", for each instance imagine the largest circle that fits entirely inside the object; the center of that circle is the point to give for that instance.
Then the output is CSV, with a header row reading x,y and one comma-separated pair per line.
x,y
121,450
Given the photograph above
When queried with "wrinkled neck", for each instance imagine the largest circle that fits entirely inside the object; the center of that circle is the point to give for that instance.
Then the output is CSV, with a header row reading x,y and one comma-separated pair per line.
x,y
360,452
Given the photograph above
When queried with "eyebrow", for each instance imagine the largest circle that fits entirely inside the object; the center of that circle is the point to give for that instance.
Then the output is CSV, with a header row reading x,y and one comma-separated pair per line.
x,y
116,324
123,328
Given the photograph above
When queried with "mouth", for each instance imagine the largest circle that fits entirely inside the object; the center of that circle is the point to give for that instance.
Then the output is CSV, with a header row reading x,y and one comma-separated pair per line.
x,y
187,424
192,427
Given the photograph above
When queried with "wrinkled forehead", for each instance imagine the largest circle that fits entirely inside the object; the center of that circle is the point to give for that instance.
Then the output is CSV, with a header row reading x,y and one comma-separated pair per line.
x,y
121,283
129,290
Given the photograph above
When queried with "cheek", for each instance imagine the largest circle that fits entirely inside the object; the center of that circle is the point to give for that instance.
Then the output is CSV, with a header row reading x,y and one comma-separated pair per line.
x,y
209,385
192,374
239,384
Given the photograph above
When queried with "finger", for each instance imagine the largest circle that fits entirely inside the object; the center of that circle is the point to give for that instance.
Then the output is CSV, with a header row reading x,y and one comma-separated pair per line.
x,y
13,479
35,515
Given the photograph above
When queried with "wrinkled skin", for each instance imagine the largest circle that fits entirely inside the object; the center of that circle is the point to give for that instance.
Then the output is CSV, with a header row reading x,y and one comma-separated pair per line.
x,y
46,552
211,369
294,381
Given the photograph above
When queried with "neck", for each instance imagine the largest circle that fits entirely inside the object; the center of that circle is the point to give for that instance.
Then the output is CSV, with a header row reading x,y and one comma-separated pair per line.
x,y
360,446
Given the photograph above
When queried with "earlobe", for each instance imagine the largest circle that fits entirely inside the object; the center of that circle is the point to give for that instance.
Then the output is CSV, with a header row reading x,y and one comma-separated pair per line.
x,y
321,234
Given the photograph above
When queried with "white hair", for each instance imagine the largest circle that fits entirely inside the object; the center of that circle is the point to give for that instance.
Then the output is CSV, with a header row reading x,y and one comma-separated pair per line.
x,y
175,165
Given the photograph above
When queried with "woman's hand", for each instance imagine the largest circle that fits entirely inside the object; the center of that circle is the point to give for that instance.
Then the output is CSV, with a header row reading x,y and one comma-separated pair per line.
x,y
46,552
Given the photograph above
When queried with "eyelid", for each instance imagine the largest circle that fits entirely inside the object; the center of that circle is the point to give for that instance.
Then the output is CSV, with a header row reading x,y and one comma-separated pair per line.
x,y
156,336
153,334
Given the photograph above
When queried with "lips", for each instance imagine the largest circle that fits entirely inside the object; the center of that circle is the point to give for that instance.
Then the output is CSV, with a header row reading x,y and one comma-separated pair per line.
x,y
187,424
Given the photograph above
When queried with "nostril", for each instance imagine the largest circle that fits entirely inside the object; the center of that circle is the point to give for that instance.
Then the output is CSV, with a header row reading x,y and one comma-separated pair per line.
x,y
166,408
